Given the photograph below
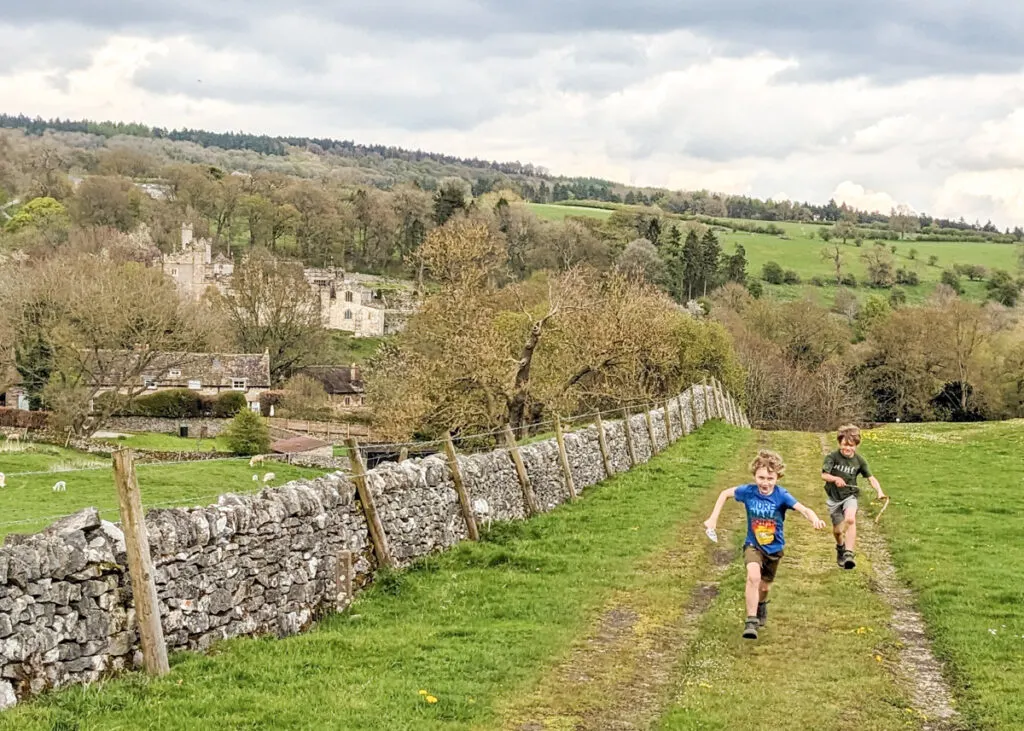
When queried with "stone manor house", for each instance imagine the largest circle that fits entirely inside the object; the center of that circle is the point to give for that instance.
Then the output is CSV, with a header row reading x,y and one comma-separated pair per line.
x,y
362,304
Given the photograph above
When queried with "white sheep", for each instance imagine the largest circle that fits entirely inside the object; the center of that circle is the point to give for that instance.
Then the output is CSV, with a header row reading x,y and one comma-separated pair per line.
x,y
269,476
3,480
255,478
60,487
256,459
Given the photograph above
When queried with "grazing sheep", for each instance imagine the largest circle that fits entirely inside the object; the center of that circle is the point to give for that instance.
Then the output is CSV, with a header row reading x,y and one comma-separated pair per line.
x,y
3,480
256,459
255,478
60,487
13,436
269,476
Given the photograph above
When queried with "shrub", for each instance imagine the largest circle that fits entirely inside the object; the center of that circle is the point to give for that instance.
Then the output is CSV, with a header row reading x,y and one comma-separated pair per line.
x,y
950,279
247,434
176,403
755,288
849,280
790,277
908,277
897,297
772,273
228,404
817,281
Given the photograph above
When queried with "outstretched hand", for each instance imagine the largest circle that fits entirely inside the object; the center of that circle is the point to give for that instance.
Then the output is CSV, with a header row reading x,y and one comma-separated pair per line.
x,y
818,523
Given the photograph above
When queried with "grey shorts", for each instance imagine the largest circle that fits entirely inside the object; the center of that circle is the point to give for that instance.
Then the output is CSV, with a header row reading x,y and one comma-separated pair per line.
x,y
838,509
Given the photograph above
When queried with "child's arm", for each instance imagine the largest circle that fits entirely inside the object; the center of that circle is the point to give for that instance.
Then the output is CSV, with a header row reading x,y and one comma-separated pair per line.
x,y
839,481
878,488
805,511
719,504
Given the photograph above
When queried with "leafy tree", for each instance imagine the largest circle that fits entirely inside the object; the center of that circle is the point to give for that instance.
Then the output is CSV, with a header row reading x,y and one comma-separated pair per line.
x,y
1003,288
693,263
640,259
950,279
736,266
247,434
710,254
450,197
772,273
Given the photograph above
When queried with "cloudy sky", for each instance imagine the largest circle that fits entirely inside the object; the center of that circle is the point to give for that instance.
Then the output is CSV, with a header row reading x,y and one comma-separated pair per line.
x,y
876,103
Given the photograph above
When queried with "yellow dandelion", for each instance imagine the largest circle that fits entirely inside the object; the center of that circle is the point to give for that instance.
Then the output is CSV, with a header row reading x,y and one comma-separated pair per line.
x,y
431,699
423,692
878,658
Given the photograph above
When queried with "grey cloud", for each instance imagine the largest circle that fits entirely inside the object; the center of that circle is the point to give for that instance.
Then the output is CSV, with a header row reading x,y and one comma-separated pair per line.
x,y
880,39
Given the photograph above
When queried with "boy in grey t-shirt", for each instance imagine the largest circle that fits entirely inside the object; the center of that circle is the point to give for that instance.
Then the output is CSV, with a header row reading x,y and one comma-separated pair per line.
x,y
839,472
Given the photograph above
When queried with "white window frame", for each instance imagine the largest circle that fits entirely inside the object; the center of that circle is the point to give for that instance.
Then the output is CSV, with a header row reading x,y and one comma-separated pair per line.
x,y
195,385
149,383
236,381
174,373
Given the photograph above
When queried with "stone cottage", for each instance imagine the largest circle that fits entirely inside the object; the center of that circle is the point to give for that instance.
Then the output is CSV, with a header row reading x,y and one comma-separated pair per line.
x,y
206,373
343,384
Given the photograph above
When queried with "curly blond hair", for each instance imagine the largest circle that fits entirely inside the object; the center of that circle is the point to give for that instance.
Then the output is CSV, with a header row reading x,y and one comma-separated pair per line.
x,y
848,433
770,460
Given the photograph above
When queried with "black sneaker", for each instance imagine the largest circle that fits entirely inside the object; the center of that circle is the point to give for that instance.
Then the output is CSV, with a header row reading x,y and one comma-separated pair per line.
x,y
750,629
841,556
848,562
762,613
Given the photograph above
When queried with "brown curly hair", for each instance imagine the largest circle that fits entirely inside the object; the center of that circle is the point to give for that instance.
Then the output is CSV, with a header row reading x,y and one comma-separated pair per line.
x,y
770,460
848,433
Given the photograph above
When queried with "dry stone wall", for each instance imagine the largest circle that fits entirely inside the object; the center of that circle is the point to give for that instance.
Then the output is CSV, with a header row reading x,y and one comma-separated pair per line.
x,y
271,562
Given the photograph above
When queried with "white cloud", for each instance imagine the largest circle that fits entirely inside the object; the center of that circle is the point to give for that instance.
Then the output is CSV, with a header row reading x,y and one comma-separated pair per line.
x,y
681,108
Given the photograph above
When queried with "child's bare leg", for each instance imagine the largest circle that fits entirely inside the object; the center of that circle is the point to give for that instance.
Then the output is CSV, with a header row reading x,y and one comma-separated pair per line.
x,y
850,522
766,586
753,590
837,531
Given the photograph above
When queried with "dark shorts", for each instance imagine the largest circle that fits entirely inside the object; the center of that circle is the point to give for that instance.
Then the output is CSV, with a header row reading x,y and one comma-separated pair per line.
x,y
769,563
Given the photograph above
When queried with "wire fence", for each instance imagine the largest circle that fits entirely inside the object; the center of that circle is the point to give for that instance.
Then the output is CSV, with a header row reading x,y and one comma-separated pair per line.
x,y
462,442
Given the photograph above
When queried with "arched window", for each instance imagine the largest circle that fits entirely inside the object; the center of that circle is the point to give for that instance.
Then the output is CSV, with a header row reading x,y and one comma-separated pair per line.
x,y
348,314
348,296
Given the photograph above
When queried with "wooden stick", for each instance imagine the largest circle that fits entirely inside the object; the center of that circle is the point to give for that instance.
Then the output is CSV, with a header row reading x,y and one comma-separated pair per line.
x,y
524,480
140,564
380,541
460,488
629,438
564,457
603,444
668,425
650,430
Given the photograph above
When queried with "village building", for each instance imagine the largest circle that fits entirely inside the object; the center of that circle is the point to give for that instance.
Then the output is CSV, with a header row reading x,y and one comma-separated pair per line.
x,y
362,304
208,374
343,384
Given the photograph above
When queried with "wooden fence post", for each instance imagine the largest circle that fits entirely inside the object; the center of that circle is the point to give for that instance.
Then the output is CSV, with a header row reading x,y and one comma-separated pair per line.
x,y
693,406
524,479
707,399
720,399
668,425
682,419
460,488
403,454
140,564
629,437
380,541
650,429
564,457
603,444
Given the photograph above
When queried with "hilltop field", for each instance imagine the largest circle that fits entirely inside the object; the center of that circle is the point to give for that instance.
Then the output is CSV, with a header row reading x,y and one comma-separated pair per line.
x,y
798,247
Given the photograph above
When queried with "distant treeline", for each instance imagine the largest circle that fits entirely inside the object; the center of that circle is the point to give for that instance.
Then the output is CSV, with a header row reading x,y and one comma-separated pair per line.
x,y
535,183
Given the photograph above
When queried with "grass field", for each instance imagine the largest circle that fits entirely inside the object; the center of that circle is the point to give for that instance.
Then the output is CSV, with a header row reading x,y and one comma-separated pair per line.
x,y
552,212
29,504
955,528
581,617
169,443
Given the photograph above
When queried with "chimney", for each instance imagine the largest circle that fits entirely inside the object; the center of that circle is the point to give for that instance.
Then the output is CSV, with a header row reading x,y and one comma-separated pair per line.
x,y
353,373
186,235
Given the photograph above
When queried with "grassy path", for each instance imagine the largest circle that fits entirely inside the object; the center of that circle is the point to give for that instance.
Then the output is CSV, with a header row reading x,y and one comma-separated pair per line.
x,y
821,663
471,628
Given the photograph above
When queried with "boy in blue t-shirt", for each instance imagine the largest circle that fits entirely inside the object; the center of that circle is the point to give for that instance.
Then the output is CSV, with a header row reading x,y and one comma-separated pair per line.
x,y
766,505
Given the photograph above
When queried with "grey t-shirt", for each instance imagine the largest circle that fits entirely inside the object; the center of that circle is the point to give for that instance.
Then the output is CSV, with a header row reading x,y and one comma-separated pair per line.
x,y
847,468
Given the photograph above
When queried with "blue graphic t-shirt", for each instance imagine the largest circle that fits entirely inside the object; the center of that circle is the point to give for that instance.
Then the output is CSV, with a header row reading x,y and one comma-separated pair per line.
x,y
765,514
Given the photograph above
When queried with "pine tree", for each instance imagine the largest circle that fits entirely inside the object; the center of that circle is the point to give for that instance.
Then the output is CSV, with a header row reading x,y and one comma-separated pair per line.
x,y
710,253
736,266
693,266
675,264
